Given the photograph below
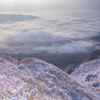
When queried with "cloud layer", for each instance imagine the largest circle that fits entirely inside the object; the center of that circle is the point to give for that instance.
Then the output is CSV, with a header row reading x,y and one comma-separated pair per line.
x,y
64,32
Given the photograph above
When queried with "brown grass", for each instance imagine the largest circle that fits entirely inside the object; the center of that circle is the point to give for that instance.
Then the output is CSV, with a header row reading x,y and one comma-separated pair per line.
x,y
25,61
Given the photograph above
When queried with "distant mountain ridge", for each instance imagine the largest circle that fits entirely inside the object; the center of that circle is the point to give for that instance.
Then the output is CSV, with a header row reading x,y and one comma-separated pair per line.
x,y
93,56
5,18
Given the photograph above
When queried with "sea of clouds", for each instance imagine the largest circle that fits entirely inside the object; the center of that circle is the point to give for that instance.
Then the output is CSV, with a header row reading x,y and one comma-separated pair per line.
x,y
52,32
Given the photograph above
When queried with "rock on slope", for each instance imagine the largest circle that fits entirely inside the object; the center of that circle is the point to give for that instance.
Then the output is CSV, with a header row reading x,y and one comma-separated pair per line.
x,y
34,79
69,69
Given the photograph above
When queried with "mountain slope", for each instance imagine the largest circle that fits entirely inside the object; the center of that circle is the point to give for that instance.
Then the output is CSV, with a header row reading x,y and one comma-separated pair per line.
x,y
34,79
89,74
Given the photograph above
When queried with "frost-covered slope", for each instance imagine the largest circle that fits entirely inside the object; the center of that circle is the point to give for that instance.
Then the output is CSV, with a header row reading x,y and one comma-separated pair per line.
x,y
34,79
89,74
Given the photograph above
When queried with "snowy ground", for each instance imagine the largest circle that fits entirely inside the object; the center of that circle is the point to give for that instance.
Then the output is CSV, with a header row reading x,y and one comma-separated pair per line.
x,y
89,74
34,79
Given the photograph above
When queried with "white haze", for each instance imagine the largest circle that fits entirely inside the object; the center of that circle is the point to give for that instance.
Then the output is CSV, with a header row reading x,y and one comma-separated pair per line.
x,y
19,6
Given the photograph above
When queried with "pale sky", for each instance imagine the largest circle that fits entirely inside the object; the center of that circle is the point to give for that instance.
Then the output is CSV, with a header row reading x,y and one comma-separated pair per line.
x,y
34,5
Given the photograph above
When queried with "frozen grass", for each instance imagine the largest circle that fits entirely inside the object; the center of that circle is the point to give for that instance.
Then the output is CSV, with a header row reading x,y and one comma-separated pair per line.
x,y
34,79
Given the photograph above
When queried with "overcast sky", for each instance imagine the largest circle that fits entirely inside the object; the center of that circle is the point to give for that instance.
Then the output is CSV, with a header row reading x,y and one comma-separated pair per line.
x,y
36,5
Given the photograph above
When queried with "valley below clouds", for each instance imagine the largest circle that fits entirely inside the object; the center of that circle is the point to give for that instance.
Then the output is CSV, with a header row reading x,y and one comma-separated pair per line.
x,y
53,32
